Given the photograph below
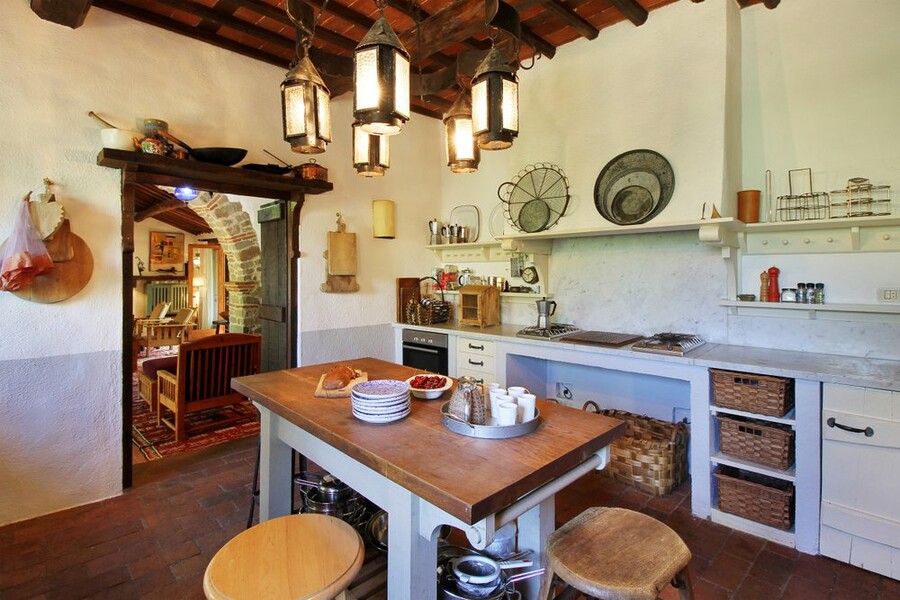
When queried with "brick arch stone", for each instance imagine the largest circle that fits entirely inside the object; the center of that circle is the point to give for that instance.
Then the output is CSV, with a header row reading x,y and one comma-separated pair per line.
x,y
231,226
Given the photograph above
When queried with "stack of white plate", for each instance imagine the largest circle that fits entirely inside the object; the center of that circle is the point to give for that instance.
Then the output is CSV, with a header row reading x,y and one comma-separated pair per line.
x,y
380,401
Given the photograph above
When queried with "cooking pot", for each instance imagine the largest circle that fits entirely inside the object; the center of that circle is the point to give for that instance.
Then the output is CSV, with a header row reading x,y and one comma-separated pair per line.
x,y
451,588
218,156
311,170
328,488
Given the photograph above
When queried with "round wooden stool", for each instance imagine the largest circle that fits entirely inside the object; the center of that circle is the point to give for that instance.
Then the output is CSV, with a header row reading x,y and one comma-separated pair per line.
x,y
617,554
298,556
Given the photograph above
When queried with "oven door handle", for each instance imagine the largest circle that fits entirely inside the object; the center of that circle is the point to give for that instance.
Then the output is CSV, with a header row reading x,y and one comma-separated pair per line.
x,y
421,349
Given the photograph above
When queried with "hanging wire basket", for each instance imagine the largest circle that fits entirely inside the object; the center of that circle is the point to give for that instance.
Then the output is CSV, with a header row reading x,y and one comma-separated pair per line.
x,y
536,198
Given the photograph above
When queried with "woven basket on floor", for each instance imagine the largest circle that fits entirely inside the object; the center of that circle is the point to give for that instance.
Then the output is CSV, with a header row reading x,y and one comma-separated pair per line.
x,y
760,394
763,442
757,497
651,456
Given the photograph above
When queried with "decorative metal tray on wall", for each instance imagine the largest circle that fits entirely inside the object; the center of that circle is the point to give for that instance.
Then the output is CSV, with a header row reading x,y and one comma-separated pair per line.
x,y
536,198
634,187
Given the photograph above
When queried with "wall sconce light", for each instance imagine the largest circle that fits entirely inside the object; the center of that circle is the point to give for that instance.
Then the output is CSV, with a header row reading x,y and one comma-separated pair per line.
x,y
185,193
381,79
383,219
371,153
495,102
463,153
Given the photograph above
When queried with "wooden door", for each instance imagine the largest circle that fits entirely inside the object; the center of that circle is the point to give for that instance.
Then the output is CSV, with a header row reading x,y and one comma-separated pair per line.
x,y
279,252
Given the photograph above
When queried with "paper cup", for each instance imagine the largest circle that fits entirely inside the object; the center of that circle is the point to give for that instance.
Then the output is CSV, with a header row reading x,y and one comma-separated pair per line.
x,y
506,413
526,404
495,396
515,391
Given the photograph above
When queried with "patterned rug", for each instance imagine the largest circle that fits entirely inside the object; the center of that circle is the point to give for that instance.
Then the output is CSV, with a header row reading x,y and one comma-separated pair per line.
x,y
156,442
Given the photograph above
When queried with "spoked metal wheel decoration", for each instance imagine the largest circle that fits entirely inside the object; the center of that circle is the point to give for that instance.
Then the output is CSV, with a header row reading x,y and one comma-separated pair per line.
x,y
536,198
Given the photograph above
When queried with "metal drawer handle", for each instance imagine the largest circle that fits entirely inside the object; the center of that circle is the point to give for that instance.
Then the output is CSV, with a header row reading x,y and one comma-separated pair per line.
x,y
479,363
473,347
868,431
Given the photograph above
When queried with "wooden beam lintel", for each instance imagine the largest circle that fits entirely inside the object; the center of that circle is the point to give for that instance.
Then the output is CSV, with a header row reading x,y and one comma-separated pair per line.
x,y
70,13
636,13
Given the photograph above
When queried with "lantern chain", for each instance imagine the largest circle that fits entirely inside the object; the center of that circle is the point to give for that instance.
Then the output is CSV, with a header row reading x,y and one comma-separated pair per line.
x,y
305,34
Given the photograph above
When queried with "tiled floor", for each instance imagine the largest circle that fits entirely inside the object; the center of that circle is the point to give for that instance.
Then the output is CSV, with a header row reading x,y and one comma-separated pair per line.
x,y
156,540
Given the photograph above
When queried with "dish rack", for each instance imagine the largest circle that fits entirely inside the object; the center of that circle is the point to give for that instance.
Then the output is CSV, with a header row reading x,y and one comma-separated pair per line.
x,y
803,206
860,199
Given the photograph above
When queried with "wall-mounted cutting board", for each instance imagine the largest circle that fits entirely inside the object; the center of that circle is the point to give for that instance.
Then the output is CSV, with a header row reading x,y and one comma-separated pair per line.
x,y
341,253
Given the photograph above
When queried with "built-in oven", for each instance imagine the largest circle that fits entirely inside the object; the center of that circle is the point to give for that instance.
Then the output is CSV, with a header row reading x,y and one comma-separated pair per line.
x,y
425,350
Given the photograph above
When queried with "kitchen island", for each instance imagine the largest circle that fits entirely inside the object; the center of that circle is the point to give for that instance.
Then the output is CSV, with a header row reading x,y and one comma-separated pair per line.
x,y
419,471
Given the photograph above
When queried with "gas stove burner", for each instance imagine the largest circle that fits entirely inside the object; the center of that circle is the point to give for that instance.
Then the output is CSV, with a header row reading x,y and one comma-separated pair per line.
x,y
554,331
669,343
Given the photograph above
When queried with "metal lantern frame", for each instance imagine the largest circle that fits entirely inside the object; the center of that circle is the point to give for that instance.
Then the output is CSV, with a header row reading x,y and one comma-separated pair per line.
x,y
381,80
463,153
305,108
495,102
371,153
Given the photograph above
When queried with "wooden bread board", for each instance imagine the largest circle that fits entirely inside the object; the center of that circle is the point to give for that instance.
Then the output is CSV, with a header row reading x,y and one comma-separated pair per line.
x,y
343,392
601,338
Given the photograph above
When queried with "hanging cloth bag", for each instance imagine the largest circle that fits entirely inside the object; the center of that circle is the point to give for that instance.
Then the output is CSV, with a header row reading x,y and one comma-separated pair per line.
x,y
24,256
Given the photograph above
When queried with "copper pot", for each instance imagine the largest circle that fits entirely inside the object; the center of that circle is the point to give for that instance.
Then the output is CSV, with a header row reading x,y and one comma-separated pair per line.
x,y
311,170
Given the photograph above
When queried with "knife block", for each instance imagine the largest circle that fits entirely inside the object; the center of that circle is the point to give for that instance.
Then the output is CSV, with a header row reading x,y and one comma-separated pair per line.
x,y
479,305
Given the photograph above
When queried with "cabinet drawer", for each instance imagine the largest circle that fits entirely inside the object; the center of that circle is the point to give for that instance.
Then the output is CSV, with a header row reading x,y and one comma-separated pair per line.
x,y
478,376
476,346
476,362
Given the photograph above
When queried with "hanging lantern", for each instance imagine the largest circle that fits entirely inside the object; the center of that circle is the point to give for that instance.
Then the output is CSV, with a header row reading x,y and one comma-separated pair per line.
x,y
495,102
371,153
463,154
381,81
305,110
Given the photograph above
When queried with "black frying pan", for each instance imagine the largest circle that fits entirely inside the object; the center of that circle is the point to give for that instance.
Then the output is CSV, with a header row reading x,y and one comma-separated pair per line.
x,y
218,156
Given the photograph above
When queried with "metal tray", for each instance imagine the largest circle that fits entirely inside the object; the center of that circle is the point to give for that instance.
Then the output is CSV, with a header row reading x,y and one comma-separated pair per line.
x,y
489,431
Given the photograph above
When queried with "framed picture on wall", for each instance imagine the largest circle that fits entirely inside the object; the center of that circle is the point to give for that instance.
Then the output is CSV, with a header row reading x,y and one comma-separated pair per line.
x,y
166,251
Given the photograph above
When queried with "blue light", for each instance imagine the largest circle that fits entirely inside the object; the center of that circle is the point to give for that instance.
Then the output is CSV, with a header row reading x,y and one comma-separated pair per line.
x,y
185,193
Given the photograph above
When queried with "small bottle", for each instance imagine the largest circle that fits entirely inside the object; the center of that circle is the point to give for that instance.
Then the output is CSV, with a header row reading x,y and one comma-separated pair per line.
x,y
801,293
789,294
810,292
820,293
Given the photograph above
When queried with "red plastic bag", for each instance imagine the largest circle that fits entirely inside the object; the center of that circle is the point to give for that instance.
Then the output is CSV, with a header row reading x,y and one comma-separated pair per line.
x,y
24,256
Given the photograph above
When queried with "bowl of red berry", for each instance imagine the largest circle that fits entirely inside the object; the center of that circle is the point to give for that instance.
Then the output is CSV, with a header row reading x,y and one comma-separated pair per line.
x,y
429,387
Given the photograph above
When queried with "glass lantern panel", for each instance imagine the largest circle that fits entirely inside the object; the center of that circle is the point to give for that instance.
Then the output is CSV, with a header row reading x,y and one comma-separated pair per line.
x,y
510,106
401,85
360,146
294,110
480,106
463,139
323,110
384,151
367,92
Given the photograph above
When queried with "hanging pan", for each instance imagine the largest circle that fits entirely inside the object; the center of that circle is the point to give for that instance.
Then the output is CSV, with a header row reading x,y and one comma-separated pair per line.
x,y
217,156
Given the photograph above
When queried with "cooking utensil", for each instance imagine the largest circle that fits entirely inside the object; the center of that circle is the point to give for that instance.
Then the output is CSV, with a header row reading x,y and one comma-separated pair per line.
x,y
101,120
267,168
329,487
536,198
218,156
311,170
467,218
634,187
288,165
546,309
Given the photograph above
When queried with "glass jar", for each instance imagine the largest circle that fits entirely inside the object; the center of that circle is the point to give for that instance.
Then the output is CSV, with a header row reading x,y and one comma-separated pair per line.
x,y
820,293
788,294
810,292
801,292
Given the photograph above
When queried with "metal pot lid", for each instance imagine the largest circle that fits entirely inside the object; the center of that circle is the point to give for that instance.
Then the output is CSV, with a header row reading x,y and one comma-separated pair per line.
x,y
634,187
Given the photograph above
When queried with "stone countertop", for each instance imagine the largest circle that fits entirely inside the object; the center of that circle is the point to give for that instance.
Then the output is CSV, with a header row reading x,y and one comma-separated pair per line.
x,y
829,368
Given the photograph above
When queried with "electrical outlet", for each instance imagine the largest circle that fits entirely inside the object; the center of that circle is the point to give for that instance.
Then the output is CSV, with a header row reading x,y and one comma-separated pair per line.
x,y
564,391
889,294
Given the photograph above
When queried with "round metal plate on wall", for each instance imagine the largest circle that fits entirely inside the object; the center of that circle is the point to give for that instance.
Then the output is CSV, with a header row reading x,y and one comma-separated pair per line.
x,y
634,187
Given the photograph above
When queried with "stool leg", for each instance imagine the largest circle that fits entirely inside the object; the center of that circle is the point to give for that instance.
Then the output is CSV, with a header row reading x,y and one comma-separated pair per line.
x,y
547,583
682,583
255,496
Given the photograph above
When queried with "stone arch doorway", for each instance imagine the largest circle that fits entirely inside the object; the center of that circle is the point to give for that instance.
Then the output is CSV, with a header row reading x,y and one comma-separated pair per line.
x,y
231,226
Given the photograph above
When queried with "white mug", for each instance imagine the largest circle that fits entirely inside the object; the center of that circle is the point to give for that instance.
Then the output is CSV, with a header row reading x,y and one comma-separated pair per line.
x,y
515,391
495,396
491,386
506,413
526,404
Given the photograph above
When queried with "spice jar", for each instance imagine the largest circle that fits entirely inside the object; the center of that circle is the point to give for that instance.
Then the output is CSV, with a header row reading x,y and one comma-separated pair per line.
x,y
789,295
820,293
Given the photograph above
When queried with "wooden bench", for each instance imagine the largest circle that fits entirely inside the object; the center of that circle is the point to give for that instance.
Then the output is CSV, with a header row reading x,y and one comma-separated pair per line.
x,y
202,377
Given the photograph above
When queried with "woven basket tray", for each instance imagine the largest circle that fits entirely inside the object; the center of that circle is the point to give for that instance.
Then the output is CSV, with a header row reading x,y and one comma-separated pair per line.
x,y
766,443
651,456
762,499
761,394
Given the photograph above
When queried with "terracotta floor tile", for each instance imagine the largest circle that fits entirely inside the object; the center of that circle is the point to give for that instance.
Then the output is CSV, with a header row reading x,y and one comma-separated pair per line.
x,y
155,541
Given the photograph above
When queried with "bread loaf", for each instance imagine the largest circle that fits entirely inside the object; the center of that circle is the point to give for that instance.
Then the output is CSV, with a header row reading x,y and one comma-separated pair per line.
x,y
338,377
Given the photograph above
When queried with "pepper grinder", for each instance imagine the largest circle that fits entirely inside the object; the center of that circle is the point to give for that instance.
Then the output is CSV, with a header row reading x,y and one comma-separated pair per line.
x,y
764,286
774,294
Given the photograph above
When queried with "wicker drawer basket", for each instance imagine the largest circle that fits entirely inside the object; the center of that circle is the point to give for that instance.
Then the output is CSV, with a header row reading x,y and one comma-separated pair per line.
x,y
766,443
761,394
651,456
757,497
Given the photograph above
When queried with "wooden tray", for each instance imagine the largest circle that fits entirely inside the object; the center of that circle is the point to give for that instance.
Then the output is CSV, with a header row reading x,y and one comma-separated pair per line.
x,y
601,338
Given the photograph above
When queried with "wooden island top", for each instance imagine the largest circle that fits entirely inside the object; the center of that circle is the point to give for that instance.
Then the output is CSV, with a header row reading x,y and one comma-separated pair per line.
x,y
469,478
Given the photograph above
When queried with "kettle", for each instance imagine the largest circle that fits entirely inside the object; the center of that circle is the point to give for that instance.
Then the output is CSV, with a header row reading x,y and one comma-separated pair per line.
x,y
546,309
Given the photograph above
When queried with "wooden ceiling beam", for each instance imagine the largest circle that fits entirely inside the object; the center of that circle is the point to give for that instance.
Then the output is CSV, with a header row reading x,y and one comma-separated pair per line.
x,y
453,25
771,4
571,18
163,207
70,13
635,13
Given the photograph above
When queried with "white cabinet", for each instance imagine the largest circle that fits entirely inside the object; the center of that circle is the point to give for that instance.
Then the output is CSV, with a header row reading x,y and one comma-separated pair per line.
x,y
476,358
860,488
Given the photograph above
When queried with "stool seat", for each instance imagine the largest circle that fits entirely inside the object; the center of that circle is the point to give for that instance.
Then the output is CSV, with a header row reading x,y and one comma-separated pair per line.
x,y
617,554
299,556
